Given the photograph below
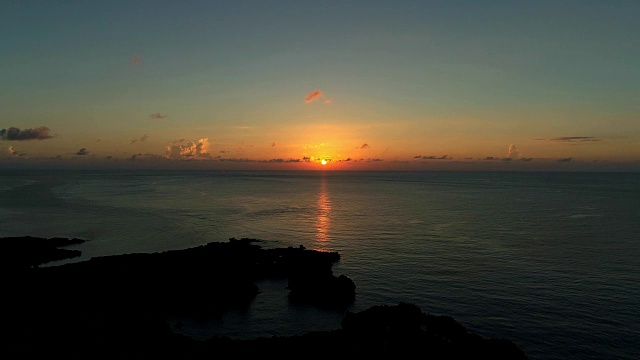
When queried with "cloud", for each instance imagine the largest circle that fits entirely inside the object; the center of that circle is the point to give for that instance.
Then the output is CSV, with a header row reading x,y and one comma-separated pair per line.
x,y
571,139
317,95
14,153
143,156
526,159
364,147
142,139
434,157
314,95
313,159
290,160
493,158
13,133
82,151
273,144
565,159
240,160
136,59
190,150
513,152
158,116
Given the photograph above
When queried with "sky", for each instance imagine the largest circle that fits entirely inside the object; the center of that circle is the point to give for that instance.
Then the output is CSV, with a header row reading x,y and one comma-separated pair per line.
x,y
341,85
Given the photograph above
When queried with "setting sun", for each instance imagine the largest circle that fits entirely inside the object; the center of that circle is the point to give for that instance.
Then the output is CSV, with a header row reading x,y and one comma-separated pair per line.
x,y
323,162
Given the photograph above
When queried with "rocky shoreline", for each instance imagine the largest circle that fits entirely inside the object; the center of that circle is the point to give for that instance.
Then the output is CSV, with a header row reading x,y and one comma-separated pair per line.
x,y
118,304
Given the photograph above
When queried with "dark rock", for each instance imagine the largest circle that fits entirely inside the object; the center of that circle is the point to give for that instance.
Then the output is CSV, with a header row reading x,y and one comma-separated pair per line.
x,y
106,292
404,329
116,305
26,251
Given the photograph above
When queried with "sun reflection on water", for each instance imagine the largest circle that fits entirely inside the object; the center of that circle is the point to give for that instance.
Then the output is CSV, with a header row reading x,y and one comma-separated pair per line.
x,y
323,216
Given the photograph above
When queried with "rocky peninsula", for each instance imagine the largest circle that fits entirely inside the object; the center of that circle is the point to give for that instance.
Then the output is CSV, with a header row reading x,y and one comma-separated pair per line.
x,y
117,305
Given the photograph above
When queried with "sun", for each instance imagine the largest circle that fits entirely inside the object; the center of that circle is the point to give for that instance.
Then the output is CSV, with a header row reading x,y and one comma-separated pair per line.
x,y
323,162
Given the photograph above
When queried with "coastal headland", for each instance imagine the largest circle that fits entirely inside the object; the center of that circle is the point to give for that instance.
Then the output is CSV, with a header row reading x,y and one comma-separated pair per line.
x,y
119,304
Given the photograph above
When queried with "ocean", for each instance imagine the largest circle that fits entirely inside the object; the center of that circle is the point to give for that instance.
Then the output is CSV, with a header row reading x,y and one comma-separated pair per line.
x,y
549,260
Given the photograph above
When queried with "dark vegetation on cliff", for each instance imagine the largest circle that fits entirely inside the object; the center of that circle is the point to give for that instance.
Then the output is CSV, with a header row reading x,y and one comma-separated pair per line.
x,y
118,304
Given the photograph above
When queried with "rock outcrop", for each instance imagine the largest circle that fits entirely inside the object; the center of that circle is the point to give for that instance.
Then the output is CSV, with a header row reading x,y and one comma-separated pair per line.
x,y
116,305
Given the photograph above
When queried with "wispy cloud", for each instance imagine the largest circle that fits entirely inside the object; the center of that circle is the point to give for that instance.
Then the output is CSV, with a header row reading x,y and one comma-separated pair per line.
x,y
282,160
139,156
364,147
314,95
573,139
433,157
13,133
158,116
141,139
513,155
191,150
565,159
317,95
82,151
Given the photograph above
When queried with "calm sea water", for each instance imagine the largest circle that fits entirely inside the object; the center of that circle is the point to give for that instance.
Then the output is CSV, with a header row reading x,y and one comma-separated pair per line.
x,y
548,260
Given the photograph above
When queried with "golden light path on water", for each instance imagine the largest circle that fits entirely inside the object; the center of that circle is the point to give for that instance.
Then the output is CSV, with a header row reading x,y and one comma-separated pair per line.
x,y
323,216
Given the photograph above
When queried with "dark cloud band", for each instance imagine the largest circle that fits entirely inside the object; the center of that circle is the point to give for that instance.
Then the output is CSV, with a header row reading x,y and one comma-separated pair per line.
x,y
13,133
575,138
